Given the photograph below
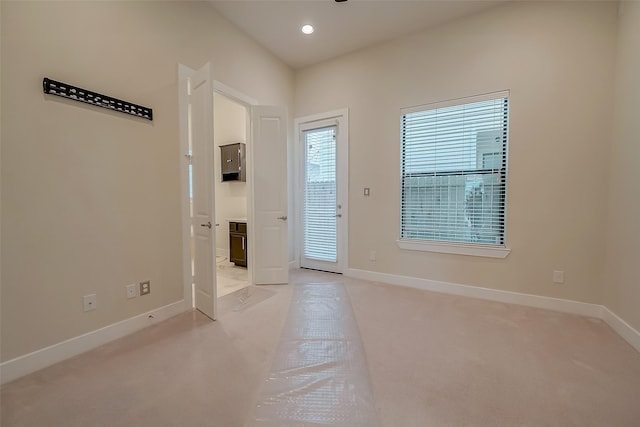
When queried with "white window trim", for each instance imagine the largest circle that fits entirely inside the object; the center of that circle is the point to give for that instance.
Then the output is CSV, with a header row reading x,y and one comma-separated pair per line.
x,y
456,101
445,247
487,251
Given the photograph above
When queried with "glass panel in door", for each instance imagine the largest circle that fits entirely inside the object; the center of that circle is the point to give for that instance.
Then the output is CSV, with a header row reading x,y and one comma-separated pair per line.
x,y
320,199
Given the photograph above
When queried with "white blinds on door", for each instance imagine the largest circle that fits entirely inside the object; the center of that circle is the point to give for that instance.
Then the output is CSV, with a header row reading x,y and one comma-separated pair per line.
x,y
320,235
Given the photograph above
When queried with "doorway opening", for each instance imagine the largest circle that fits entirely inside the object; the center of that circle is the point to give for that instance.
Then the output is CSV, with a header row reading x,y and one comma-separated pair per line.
x,y
230,136
262,228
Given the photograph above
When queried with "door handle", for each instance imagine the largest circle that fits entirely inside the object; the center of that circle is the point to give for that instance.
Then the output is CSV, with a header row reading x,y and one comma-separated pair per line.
x,y
283,218
208,225
338,215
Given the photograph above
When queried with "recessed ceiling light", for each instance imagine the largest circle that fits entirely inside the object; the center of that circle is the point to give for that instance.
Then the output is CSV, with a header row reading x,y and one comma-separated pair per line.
x,y
307,29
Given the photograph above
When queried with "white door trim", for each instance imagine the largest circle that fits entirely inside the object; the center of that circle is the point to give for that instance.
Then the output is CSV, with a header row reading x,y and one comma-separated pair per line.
x,y
233,94
184,73
341,116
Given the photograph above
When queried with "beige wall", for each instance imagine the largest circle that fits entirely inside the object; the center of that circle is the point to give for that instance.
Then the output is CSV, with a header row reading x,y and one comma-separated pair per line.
x,y
557,60
622,284
91,198
230,120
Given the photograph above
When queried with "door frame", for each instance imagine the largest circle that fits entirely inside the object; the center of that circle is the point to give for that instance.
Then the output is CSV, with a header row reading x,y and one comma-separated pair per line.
x,y
247,102
341,116
184,73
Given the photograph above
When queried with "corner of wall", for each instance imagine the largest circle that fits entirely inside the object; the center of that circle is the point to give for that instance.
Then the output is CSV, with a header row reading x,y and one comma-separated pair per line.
x,y
621,292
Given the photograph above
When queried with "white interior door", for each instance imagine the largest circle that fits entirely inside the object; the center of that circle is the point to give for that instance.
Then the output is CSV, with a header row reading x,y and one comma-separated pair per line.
x,y
269,251
323,145
203,200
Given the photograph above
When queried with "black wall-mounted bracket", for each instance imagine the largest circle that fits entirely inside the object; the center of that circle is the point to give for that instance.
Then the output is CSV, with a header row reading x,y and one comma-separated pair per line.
x,y
75,93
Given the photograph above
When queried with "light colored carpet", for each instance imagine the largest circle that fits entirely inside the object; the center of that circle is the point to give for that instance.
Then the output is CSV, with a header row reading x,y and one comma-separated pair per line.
x,y
434,360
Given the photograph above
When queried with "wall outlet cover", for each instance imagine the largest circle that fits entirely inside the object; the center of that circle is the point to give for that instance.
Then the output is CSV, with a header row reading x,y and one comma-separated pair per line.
x,y
89,302
145,287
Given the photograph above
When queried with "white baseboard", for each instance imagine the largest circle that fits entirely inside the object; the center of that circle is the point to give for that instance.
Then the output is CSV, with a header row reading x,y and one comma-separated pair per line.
x,y
626,331
623,329
556,304
28,363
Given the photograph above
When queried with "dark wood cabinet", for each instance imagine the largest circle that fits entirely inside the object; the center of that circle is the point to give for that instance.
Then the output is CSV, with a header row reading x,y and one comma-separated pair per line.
x,y
232,157
238,243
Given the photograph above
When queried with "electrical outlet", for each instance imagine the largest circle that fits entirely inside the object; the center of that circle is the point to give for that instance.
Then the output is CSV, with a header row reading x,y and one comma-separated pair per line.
x,y
558,276
145,287
89,302
132,290
372,255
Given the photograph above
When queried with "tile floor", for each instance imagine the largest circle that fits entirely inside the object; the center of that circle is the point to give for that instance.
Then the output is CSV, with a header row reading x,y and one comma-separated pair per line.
x,y
230,277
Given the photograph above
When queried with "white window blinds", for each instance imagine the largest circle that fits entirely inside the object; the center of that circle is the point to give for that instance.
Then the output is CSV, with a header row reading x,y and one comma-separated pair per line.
x,y
320,228
454,170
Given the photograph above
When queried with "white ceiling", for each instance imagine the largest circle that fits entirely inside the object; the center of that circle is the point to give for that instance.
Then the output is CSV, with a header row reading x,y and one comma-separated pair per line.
x,y
339,27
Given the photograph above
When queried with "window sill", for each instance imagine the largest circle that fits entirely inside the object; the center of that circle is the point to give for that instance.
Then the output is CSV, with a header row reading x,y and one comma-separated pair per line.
x,y
454,248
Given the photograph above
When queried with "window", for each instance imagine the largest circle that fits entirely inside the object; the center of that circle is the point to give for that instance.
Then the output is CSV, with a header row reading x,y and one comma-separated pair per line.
x,y
454,172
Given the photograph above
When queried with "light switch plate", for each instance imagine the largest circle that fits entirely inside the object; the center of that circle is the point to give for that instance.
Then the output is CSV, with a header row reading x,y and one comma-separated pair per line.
x,y
558,276
132,291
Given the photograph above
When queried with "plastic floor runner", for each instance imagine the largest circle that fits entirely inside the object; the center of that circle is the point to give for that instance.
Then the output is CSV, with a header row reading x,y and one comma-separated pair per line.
x,y
319,375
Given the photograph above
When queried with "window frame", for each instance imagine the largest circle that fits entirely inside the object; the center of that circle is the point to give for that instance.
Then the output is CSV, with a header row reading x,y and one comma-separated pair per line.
x,y
454,247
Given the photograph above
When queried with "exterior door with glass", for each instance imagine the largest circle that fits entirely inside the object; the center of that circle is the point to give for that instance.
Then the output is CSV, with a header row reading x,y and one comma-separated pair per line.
x,y
323,149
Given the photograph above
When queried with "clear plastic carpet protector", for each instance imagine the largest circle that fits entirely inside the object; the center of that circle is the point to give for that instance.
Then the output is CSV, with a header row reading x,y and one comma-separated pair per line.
x,y
319,374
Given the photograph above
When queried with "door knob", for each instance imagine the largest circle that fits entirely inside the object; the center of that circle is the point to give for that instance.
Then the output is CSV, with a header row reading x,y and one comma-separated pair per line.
x,y
338,215
284,218
208,225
